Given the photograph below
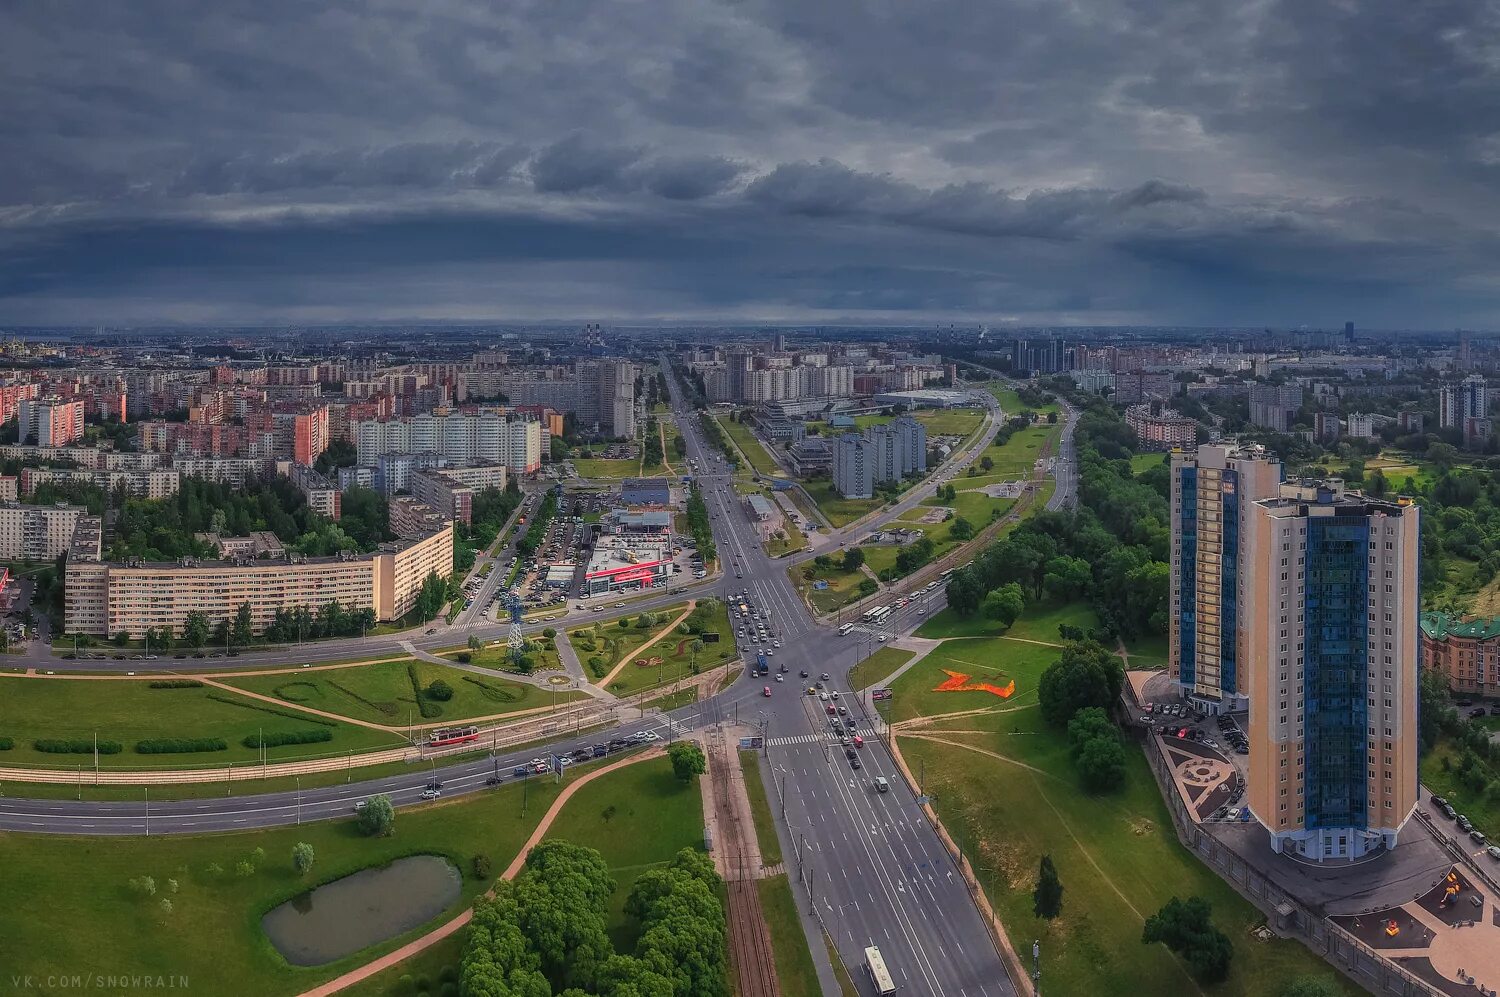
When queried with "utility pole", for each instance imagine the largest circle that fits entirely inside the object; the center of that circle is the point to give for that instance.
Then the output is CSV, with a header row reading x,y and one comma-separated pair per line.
x,y
148,811
299,799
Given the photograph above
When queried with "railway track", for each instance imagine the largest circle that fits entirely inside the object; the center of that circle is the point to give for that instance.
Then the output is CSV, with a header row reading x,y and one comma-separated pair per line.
x,y
749,939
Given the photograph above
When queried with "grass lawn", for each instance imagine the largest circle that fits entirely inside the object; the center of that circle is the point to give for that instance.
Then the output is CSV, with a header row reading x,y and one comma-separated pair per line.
x,y
760,808
950,422
129,711
843,586
599,468
623,638
877,666
794,966
220,790
675,650
496,655
992,660
835,508
1148,650
213,933
1011,402
383,693
1144,461
638,818
792,541
1117,855
1039,622
672,700
749,445
429,964
974,505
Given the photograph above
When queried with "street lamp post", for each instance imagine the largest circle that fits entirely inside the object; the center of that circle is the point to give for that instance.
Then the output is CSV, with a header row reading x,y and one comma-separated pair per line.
x,y
299,799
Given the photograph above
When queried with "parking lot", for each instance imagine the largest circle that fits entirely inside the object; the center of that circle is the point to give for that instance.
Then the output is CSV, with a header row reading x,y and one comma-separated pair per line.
x,y
1209,757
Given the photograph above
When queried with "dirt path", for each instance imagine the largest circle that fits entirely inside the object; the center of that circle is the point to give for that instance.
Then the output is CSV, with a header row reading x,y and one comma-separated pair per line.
x,y
437,934
625,659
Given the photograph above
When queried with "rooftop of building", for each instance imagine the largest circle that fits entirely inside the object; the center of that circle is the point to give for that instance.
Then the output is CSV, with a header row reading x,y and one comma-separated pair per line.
x,y
1312,493
1441,626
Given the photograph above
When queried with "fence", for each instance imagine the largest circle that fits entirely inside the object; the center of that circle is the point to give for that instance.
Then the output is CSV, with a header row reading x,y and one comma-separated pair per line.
x,y
1287,916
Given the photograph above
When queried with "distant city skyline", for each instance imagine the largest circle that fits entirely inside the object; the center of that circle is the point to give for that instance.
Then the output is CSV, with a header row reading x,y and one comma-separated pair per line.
x,y
1083,164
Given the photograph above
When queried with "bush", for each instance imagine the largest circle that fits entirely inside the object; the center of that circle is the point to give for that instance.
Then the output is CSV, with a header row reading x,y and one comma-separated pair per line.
x,y
143,886
277,739
440,690
482,867
549,632
464,657
448,974
179,745
175,684
6,743
425,706
75,746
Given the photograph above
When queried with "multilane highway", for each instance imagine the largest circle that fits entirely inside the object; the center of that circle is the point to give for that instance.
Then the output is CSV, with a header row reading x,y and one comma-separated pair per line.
x,y
873,865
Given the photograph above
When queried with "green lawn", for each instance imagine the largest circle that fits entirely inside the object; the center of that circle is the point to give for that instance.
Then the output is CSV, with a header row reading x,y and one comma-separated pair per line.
x,y
672,700
638,818
675,650
129,711
749,445
430,964
212,935
877,666
843,586
1145,461
794,966
586,644
599,468
836,509
1117,855
992,660
1011,402
1039,622
958,422
1481,808
1148,651
760,808
383,693
496,655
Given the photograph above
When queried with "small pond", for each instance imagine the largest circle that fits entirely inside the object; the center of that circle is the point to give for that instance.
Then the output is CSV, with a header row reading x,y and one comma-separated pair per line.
x,y
362,909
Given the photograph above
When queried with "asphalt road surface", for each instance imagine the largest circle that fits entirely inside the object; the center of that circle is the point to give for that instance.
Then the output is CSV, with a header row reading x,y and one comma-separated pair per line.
x,y
873,864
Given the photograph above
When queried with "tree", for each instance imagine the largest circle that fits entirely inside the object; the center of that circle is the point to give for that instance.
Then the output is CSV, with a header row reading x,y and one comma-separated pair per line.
x,y
964,592
475,644
1046,899
1004,604
195,629
854,559
121,638
986,464
961,530
1101,764
439,690
687,760
1185,927
377,818
696,647
1067,578
1084,675
1312,986
302,857
242,631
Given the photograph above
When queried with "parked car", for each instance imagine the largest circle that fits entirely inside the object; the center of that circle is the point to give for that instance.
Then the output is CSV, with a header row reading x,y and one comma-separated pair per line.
x,y
431,794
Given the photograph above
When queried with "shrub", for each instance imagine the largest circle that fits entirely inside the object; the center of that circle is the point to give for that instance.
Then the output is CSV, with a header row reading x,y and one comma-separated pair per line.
x,y
448,974
276,739
175,684
295,692
425,706
143,886
596,667
440,690
482,867
6,743
179,745
464,657
75,746
549,632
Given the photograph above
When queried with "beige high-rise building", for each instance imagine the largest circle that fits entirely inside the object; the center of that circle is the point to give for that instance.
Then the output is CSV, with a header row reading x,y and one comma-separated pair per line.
x,y
1212,493
1329,624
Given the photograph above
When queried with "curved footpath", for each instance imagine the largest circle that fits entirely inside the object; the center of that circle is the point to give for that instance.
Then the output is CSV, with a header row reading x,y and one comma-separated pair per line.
x,y
442,931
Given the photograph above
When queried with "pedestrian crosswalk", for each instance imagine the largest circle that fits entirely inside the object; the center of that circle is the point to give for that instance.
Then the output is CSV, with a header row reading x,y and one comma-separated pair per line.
x,y
779,742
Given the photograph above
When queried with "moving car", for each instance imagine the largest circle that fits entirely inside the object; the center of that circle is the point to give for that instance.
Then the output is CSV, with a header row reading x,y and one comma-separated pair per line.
x,y
767,690
431,794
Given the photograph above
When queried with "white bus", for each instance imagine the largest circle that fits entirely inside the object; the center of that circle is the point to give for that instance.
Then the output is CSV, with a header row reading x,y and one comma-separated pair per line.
x,y
879,975
844,630
878,616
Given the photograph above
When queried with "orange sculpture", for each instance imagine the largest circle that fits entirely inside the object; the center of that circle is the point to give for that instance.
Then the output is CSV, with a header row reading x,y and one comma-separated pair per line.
x,y
959,682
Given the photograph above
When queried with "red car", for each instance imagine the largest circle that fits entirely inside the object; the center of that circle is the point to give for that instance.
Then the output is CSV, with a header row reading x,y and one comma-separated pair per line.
x,y
766,692
859,742
831,710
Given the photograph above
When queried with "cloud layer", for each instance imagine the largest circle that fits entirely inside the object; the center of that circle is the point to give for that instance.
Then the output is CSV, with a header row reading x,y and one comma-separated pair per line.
x,y
1101,161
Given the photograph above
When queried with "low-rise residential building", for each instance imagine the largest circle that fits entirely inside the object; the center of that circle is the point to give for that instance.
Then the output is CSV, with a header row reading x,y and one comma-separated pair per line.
x,y
154,484
1465,652
1163,430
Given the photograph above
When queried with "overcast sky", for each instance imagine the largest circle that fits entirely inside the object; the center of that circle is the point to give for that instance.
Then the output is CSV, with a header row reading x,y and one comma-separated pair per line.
x,y
1047,161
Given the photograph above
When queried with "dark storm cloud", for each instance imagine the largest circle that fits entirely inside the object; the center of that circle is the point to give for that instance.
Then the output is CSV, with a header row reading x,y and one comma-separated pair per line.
x,y
1103,160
